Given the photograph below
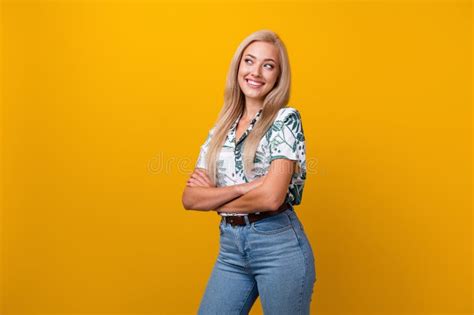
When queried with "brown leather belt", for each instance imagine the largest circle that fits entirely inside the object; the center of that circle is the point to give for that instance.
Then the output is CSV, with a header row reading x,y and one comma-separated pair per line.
x,y
240,220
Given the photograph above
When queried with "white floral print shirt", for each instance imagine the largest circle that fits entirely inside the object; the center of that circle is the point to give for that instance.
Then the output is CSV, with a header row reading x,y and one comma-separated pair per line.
x,y
284,139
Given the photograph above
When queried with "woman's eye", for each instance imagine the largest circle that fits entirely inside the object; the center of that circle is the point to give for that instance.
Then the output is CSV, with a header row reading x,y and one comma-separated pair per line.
x,y
249,61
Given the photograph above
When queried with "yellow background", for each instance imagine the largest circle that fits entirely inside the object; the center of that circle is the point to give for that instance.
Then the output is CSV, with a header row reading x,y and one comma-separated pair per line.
x,y
105,105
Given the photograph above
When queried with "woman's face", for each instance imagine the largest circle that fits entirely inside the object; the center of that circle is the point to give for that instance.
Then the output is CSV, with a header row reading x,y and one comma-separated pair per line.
x,y
258,70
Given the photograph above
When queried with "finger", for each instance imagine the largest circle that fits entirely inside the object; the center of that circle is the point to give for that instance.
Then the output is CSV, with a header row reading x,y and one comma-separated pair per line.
x,y
198,183
204,176
192,181
199,175
199,180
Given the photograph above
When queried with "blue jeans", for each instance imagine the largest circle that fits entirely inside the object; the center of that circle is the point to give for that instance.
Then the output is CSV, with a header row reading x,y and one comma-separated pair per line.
x,y
271,258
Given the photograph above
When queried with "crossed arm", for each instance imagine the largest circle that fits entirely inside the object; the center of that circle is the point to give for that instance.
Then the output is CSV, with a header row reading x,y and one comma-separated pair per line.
x,y
266,193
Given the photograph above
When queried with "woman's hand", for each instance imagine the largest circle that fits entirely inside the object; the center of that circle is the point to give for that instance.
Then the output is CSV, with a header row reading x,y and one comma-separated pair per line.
x,y
245,188
199,178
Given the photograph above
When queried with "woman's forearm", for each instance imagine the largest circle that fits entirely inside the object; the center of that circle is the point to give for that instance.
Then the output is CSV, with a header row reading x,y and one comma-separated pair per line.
x,y
210,198
257,200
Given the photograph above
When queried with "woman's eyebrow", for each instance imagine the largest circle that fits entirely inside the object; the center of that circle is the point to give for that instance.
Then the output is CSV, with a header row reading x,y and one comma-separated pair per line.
x,y
263,60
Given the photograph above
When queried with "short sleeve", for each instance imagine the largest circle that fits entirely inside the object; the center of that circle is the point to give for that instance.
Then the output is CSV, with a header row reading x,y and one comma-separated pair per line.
x,y
201,161
287,137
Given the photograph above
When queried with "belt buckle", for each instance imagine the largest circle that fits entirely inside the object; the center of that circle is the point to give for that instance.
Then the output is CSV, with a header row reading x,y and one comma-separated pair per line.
x,y
234,221
229,220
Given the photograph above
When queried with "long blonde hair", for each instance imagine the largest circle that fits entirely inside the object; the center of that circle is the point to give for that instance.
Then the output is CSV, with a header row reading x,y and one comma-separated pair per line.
x,y
234,104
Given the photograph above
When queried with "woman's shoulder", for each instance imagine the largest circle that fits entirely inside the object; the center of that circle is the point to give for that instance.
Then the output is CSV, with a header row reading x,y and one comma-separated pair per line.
x,y
287,111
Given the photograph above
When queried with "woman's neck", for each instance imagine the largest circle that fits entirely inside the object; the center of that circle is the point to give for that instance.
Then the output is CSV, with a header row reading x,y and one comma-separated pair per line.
x,y
251,109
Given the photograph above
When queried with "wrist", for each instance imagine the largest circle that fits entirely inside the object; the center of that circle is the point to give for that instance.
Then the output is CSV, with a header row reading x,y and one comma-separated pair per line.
x,y
242,188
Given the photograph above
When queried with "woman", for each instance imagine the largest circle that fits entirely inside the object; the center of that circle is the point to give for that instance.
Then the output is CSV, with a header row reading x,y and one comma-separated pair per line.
x,y
251,170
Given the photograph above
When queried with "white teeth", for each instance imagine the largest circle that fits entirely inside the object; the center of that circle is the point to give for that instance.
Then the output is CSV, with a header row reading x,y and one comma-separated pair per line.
x,y
251,82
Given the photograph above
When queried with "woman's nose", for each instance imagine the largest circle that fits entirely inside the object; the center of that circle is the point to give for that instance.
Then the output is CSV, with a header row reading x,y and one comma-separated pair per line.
x,y
256,71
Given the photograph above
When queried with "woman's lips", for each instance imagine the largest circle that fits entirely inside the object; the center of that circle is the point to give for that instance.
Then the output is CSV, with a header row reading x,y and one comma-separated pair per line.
x,y
254,84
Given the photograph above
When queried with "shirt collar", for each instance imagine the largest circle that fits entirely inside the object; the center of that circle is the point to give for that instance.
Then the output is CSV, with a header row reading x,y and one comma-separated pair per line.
x,y
249,128
254,120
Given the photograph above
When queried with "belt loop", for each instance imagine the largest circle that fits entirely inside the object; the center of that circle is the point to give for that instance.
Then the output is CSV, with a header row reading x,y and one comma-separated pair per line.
x,y
246,218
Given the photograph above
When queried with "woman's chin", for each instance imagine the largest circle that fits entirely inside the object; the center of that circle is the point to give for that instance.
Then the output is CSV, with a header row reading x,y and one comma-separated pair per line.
x,y
253,94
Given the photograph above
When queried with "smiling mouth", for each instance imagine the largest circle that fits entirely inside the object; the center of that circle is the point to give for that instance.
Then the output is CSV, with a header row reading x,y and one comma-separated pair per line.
x,y
254,84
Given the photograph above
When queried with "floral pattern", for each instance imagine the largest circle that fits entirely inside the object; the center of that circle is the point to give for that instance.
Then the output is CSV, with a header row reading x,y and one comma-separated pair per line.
x,y
283,140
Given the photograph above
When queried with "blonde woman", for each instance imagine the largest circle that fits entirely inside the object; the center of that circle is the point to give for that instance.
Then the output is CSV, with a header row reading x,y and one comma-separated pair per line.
x,y
251,170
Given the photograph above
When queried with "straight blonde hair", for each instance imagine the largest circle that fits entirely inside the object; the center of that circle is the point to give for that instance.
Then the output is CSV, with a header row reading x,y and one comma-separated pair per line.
x,y
234,104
